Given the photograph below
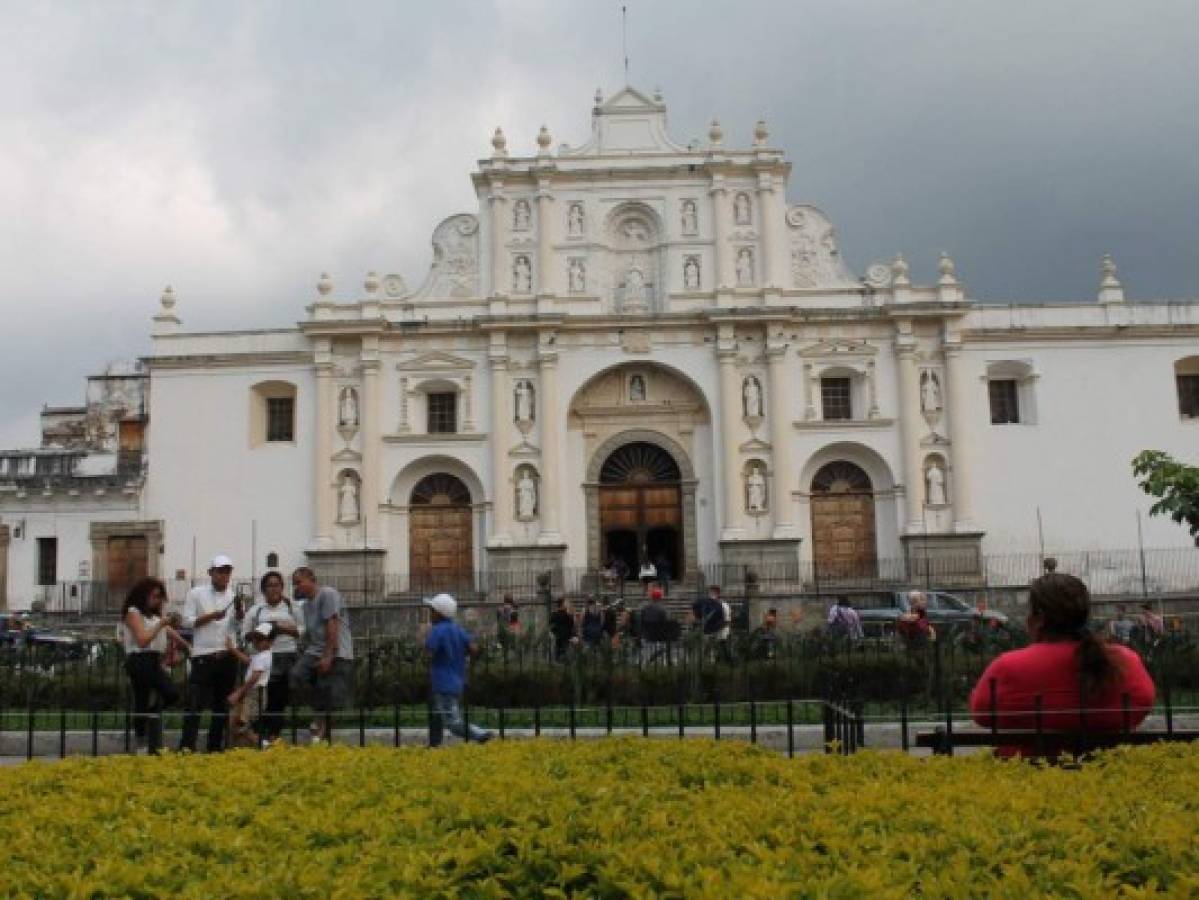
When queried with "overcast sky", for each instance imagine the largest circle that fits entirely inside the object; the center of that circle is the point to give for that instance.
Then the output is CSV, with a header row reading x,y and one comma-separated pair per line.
x,y
235,150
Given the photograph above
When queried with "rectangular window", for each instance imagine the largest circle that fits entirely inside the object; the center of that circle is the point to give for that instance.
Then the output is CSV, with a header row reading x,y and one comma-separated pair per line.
x,y
1188,396
47,561
1005,404
280,419
443,413
835,398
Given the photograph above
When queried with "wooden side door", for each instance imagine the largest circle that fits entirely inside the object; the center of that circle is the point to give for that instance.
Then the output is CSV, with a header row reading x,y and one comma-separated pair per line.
x,y
441,553
843,544
128,560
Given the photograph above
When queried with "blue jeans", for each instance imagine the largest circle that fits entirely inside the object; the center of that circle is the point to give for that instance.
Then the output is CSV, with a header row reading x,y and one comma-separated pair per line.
x,y
447,712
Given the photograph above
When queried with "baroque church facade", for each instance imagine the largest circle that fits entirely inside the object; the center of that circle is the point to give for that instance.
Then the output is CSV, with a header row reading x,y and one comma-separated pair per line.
x,y
636,349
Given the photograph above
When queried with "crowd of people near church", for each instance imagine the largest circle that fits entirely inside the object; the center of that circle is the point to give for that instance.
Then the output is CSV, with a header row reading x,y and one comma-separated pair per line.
x,y
247,662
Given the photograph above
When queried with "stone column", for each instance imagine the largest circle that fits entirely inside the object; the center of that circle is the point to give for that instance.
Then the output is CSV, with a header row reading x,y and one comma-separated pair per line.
x,y
372,438
773,249
910,428
551,469
499,226
5,537
720,255
501,489
729,458
782,432
546,276
323,532
958,403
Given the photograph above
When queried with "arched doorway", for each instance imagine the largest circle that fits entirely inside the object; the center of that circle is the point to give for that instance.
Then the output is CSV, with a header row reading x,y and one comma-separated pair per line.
x,y
440,545
843,533
641,508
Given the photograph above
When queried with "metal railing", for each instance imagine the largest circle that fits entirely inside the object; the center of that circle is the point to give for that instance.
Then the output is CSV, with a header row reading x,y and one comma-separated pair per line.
x,y
794,691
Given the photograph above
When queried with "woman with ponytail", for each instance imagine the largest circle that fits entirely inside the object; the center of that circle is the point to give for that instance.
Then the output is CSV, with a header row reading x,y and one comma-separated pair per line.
x,y
1083,682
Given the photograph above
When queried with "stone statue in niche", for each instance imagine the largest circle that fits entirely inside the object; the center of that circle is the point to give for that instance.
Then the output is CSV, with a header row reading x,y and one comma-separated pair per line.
x,y
524,401
347,499
751,394
574,220
521,215
691,273
634,290
755,490
741,209
522,275
930,392
935,483
637,389
577,273
526,496
347,408
690,220
745,267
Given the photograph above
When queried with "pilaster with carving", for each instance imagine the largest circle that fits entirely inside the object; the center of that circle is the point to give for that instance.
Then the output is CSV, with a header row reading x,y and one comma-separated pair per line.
x,y
371,439
730,417
720,245
551,423
501,493
545,239
910,429
499,226
959,435
322,470
781,440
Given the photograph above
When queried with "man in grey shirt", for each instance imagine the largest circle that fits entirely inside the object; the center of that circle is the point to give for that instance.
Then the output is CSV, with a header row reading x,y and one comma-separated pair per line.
x,y
327,664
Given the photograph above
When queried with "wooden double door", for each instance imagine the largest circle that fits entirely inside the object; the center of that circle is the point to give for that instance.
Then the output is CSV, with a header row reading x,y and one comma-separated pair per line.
x,y
441,535
641,509
843,524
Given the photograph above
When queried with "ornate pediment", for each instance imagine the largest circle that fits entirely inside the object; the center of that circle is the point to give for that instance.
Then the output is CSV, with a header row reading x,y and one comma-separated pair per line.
x,y
839,348
628,122
436,361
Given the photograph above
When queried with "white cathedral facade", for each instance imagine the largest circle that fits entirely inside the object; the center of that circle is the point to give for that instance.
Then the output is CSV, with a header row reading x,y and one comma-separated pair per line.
x,y
640,350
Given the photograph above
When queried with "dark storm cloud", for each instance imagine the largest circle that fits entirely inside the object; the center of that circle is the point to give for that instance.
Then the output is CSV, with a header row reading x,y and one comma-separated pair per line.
x,y
236,150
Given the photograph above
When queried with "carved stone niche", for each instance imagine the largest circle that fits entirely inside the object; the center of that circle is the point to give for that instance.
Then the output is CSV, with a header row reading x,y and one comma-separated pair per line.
x,y
630,262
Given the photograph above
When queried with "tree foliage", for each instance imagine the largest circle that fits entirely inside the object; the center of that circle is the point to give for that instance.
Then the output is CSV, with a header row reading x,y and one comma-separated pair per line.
x,y
1175,485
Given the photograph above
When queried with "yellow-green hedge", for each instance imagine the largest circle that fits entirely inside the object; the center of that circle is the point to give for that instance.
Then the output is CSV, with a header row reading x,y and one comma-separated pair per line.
x,y
608,818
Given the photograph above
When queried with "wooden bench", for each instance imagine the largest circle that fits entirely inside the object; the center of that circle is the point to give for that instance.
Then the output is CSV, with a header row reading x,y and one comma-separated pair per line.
x,y
943,741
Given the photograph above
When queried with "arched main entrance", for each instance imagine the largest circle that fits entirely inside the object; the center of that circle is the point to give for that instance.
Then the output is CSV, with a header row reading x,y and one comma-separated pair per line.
x,y
843,532
641,508
440,530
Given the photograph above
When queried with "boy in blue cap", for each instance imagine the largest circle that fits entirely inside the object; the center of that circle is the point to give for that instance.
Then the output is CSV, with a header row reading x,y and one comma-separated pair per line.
x,y
446,647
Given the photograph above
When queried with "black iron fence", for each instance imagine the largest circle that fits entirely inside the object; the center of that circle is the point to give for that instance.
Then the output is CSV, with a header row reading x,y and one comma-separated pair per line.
x,y
796,690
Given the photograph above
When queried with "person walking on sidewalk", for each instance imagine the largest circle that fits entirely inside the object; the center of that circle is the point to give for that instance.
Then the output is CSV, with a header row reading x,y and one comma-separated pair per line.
x,y
447,646
214,613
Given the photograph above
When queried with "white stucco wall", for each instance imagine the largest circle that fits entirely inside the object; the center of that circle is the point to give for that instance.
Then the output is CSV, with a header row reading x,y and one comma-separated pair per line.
x,y
208,484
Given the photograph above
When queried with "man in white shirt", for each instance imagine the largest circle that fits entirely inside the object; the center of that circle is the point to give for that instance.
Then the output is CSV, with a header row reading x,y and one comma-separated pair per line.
x,y
213,613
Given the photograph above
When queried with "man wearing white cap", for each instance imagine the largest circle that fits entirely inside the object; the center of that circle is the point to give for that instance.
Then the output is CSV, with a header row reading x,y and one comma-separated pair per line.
x,y
446,647
213,612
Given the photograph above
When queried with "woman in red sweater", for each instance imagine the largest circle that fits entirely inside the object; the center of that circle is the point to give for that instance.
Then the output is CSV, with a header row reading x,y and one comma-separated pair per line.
x,y
1082,681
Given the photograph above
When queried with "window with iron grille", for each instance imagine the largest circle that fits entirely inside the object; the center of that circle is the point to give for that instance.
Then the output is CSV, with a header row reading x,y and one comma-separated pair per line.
x,y
443,413
280,419
835,400
47,561
1005,402
1188,396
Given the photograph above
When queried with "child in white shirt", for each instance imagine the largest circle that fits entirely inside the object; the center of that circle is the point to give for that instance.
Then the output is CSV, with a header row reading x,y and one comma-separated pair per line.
x,y
247,702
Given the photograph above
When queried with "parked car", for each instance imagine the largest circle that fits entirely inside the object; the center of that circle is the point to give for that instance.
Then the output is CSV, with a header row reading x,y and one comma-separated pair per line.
x,y
880,613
